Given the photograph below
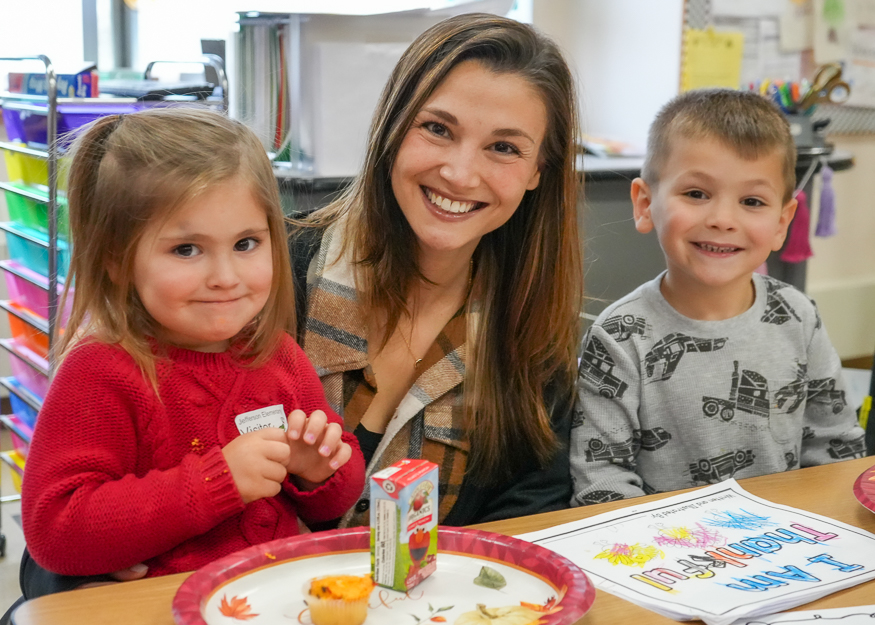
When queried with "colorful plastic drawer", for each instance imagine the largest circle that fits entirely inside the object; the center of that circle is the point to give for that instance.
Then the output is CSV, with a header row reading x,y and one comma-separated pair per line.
x,y
16,463
25,404
24,411
31,290
14,127
26,122
30,369
29,206
27,327
30,248
24,167
20,433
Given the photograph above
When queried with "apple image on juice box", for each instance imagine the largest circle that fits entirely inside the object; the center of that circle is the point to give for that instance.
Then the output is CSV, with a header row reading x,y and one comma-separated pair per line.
x,y
404,524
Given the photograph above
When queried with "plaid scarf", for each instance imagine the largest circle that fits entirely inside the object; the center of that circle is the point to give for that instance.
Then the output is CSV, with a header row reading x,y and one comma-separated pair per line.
x,y
429,420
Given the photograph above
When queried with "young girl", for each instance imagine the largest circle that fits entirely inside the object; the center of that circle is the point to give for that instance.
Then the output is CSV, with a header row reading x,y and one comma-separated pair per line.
x,y
162,437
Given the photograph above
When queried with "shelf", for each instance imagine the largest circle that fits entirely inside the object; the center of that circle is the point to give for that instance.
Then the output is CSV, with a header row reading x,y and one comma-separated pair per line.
x,y
16,147
16,466
16,388
25,97
27,316
29,234
27,356
11,460
21,430
31,192
29,275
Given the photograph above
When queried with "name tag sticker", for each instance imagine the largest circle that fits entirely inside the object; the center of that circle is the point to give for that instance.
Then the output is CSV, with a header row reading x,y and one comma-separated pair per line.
x,y
270,417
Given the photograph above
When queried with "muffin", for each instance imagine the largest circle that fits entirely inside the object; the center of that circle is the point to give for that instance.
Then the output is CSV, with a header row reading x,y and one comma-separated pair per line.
x,y
339,599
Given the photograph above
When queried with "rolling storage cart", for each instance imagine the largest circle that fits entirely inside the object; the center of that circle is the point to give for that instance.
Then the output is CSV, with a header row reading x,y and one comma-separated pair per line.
x,y
39,253
32,237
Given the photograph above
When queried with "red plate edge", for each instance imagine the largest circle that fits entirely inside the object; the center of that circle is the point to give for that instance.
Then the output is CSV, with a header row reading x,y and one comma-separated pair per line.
x,y
866,498
549,565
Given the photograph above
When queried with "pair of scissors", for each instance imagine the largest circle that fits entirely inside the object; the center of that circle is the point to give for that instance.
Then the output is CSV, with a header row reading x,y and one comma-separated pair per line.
x,y
827,86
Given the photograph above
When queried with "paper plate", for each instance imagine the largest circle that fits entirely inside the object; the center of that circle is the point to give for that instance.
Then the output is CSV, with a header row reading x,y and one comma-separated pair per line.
x,y
864,488
262,584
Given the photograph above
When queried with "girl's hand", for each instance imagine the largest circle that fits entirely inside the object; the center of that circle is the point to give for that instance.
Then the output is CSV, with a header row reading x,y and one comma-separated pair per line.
x,y
138,571
316,449
257,461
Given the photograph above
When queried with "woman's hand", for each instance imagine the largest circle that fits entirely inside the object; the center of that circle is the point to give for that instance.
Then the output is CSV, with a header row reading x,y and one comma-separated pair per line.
x,y
316,448
257,461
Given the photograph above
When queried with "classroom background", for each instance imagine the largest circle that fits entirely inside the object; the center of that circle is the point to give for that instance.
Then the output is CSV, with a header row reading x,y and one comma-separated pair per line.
x,y
631,56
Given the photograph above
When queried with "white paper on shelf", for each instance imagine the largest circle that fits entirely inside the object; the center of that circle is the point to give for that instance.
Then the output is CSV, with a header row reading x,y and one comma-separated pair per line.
x,y
716,554
349,78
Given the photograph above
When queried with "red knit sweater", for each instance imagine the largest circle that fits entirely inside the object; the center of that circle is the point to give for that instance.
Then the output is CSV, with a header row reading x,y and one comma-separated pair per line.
x,y
114,476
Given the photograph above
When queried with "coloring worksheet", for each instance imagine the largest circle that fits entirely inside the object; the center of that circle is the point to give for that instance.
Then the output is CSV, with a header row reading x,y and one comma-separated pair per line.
x,y
860,615
717,554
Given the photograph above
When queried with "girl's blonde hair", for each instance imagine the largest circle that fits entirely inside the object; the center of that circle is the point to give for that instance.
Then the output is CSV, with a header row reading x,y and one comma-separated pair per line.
x,y
528,281
127,171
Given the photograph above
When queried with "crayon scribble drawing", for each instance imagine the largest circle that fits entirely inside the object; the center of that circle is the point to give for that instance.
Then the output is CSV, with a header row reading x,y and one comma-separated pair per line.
x,y
698,536
630,555
741,520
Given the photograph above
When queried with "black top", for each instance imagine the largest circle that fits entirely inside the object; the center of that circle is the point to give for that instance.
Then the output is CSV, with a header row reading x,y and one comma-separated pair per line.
x,y
368,441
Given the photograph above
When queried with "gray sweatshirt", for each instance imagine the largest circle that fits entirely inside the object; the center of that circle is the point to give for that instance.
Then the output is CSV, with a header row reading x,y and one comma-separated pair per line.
x,y
667,402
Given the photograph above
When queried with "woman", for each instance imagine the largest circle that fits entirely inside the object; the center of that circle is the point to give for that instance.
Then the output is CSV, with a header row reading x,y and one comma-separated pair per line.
x,y
439,297
442,302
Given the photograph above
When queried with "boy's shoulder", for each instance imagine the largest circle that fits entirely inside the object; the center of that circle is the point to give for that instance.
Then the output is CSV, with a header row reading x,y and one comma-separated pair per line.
x,y
774,285
783,302
633,308
642,298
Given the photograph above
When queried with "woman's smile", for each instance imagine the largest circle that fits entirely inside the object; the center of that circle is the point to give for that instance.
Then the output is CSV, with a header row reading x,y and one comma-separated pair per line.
x,y
457,207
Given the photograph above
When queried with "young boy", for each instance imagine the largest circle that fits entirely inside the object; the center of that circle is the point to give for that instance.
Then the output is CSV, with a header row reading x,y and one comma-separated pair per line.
x,y
710,371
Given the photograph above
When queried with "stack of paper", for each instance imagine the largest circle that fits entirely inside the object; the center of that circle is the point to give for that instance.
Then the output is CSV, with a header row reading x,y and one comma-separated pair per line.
x,y
717,554
860,615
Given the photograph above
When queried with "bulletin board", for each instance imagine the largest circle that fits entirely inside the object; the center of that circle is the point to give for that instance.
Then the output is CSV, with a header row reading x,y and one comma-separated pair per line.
x,y
734,43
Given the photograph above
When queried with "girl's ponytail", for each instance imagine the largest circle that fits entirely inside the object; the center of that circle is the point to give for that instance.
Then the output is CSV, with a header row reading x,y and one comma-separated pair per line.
x,y
86,155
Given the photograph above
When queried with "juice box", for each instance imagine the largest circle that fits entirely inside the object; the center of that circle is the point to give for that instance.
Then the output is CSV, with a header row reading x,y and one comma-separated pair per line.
x,y
404,528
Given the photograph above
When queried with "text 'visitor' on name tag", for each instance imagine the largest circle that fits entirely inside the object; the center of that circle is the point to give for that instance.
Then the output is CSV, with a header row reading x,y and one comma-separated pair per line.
x,y
270,417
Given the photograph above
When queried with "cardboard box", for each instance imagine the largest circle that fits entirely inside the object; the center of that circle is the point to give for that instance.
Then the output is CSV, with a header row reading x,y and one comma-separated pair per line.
x,y
81,84
404,523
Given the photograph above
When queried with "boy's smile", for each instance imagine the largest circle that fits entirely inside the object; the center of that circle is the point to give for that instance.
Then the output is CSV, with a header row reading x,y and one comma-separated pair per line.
x,y
717,216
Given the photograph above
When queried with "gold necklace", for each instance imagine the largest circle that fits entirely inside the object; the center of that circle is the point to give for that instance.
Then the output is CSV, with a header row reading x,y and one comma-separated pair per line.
x,y
418,361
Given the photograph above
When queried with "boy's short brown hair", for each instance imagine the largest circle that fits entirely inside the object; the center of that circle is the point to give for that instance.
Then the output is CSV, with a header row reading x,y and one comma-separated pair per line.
x,y
745,121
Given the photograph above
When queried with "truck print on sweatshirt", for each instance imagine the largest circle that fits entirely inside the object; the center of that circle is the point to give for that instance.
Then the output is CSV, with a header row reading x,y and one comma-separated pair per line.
x,y
668,402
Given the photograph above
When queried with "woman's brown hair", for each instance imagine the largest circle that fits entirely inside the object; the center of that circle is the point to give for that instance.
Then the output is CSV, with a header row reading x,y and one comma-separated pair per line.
x,y
127,171
528,281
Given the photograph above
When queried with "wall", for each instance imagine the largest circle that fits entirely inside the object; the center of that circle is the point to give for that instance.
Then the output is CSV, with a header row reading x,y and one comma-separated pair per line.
x,y
627,57
841,275
50,27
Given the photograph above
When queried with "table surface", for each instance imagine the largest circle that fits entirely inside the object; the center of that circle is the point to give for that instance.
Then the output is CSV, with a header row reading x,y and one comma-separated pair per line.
x,y
826,490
